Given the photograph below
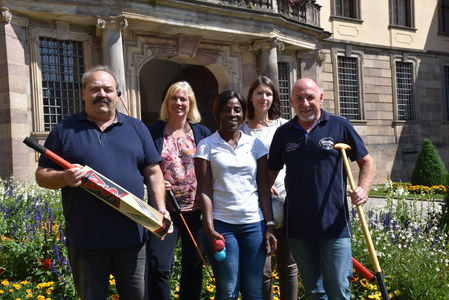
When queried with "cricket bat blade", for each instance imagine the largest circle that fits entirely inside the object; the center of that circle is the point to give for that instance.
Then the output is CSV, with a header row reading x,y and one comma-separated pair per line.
x,y
113,194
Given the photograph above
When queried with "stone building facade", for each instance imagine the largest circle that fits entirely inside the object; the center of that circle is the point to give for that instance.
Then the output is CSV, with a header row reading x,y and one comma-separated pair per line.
x,y
360,57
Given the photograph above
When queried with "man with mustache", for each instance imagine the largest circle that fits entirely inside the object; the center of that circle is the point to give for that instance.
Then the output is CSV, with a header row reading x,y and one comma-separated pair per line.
x,y
317,214
101,241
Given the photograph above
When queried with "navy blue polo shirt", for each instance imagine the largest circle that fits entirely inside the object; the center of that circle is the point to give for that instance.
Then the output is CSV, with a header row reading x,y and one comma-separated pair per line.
x,y
315,178
120,153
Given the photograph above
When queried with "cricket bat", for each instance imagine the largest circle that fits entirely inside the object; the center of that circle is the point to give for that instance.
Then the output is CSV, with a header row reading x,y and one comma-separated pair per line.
x,y
112,194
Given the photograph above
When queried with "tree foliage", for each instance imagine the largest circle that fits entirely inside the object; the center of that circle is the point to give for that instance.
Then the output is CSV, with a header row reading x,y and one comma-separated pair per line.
x,y
429,168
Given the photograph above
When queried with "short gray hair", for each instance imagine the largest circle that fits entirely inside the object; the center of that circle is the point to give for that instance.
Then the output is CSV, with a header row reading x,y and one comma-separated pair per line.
x,y
86,76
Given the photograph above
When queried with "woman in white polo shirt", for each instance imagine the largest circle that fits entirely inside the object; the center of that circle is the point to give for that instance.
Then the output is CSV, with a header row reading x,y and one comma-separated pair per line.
x,y
232,176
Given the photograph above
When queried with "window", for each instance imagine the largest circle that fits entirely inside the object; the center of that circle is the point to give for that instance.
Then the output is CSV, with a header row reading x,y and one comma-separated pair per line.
x,y
347,8
61,70
401,13
446,83
348,88
404,91
444,16
284,89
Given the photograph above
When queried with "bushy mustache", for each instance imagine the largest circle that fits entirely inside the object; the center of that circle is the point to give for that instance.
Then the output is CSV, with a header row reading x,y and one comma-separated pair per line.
x,y
101,100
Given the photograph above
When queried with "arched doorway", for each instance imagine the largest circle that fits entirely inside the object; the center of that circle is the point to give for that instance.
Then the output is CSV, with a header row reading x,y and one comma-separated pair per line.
x,y
157,75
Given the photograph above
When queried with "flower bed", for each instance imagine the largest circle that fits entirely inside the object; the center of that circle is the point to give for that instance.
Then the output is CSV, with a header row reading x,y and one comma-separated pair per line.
x,y
412,249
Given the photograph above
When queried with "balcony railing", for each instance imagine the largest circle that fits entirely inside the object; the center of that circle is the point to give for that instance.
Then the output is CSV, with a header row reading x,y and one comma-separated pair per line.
x,y
303,11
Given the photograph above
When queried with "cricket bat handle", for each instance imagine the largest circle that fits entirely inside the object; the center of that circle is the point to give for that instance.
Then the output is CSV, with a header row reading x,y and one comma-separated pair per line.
x,y
47,153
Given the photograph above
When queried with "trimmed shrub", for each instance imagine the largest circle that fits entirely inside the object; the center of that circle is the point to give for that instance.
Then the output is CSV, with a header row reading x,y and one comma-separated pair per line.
x,y
445,212
429,168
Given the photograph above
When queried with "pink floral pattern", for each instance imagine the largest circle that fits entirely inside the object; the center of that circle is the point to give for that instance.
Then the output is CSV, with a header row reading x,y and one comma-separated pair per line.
x,y
177,166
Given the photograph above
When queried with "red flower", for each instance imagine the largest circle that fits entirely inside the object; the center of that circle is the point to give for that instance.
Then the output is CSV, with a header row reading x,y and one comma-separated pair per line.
x,y
46,264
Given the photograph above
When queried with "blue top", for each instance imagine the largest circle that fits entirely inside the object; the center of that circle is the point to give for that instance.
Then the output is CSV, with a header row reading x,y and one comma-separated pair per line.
x,y
120,153
315,177
157,132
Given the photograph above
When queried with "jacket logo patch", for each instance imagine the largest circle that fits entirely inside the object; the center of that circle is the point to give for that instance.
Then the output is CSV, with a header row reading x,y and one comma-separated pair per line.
x,y
327,143
291,147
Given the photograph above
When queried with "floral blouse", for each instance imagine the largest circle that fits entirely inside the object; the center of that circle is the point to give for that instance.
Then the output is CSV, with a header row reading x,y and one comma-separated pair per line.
x,y
178,168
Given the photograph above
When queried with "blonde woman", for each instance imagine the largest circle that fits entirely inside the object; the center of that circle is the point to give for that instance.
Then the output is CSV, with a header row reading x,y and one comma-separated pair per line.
x,y
176,136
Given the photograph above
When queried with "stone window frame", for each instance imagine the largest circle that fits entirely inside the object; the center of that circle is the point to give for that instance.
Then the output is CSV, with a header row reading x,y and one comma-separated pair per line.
x,y
293,66
409,13
348,52
443,17
415,61
355,7
61,31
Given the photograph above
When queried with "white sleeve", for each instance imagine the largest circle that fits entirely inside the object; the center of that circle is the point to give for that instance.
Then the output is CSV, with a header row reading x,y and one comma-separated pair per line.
x,y
259,148
202,150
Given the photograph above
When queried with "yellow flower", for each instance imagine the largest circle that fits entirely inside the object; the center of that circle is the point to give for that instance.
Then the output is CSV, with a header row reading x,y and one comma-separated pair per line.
x,y
11,290
28,291
29,295
1,292
16,286
25,282
40,297
18,299
115,297
48,291
5,282
364,282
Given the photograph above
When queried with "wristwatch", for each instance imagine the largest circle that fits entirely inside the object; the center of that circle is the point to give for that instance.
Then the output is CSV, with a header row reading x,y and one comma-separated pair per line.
x,y
270,223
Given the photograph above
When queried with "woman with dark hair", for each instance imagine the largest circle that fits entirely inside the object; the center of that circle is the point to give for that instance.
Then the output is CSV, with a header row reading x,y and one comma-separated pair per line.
x,y
232,174
176,136
264,117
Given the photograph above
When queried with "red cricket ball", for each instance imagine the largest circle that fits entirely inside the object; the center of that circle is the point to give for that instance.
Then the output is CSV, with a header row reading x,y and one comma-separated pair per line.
x,y
219,245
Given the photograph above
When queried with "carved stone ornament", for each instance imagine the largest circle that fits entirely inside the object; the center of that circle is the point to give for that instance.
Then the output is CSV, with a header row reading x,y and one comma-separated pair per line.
x,y
24,22
269,44
101,23
5,15
278,44
117,22
187,45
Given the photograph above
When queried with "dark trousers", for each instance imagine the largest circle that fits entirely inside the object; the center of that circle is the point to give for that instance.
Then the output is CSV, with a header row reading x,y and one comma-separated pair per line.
x,y
91,269
161,260
287,270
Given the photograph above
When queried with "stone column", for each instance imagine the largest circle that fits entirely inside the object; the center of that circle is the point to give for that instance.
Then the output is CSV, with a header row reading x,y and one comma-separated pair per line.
x,y
111,29
269,58
15,108
249,67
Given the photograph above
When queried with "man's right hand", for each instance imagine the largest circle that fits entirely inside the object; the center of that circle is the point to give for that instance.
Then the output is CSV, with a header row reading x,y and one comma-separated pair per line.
x,y
74,176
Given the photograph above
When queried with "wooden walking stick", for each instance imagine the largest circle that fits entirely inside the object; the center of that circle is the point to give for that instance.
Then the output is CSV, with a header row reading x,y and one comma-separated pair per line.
x,y
378,272
171,196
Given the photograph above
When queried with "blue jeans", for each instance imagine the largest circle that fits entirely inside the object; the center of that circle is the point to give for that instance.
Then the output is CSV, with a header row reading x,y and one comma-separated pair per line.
x,y
325,267
161,260
91,269
242,269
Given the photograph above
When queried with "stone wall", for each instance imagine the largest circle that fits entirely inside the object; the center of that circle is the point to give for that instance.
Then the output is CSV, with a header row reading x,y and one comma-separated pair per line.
x,y
394,144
